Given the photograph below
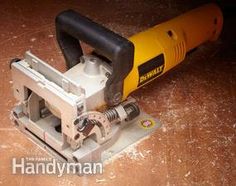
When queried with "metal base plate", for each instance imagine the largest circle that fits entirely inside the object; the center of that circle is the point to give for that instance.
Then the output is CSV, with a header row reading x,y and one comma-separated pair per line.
x,y
124,135
142,127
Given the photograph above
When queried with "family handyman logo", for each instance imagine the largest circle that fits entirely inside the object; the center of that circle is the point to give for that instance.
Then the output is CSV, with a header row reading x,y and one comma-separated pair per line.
x,y
35,166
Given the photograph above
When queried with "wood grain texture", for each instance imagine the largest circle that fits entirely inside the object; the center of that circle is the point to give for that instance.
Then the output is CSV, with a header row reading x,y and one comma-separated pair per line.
x,y
195,102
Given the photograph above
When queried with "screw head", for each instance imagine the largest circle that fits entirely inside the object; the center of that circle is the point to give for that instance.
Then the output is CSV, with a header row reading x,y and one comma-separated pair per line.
x,y
117,98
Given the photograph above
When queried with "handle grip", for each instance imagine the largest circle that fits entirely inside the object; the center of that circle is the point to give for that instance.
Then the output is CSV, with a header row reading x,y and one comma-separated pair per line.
x,y
71,27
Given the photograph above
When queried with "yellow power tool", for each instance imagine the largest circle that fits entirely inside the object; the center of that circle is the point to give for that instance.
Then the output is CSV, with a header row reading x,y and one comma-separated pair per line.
x,y
162,47
85,114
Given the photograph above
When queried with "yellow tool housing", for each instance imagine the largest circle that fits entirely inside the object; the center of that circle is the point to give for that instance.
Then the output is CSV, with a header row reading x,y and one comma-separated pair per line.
x,y
163,46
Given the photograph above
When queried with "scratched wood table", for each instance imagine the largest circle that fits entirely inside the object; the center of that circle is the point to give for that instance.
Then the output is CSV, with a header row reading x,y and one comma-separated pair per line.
x,y
196,102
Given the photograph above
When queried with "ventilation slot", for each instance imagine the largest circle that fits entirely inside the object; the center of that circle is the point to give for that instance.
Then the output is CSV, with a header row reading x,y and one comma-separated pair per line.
x,y
179,50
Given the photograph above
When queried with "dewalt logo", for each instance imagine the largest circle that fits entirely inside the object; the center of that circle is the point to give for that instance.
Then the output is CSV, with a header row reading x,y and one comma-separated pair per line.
x,y
151,74
151,69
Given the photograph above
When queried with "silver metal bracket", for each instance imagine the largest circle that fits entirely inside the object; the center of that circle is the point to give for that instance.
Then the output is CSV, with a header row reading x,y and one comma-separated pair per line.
x,y
58,111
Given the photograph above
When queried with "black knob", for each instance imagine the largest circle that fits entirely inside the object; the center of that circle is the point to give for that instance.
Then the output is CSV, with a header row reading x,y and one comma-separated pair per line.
x,y
132,111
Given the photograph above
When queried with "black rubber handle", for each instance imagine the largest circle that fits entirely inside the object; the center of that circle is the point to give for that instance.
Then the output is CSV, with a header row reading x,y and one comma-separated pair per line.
x,y
71,27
